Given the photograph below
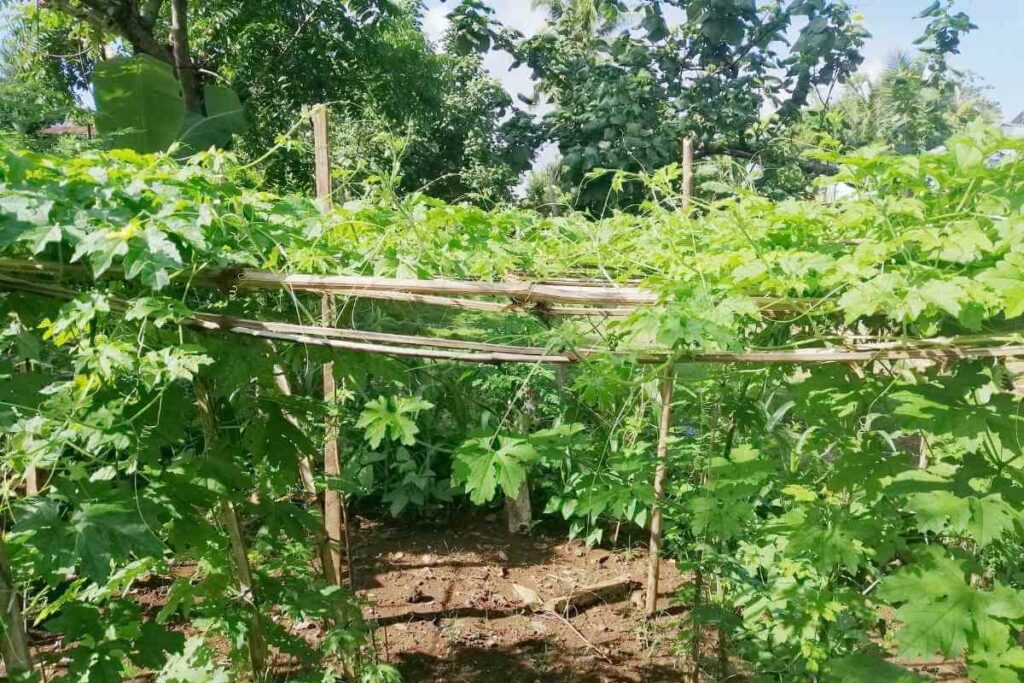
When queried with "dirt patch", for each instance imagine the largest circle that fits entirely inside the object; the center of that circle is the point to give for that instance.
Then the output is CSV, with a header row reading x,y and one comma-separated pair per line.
x,y
445,599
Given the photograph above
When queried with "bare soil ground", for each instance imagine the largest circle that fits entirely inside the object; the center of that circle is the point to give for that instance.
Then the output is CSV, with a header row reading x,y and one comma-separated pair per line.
x,y
443,594
445,598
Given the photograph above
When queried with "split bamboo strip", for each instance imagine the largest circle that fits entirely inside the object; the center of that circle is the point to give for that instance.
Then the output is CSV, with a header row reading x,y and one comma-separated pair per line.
x,y
412,346
596,298
660,475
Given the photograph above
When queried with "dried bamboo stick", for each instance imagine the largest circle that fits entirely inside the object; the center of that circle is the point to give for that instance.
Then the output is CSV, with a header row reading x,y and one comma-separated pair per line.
x,y
591,298
522,292
14,642
365,335
306,477
660,475
256,640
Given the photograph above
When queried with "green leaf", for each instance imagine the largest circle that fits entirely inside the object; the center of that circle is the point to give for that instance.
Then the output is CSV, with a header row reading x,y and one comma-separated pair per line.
x,y
1007,279
865,668
95,537
943,294
991,518
942,612
391,418
482,469
138,93
223,103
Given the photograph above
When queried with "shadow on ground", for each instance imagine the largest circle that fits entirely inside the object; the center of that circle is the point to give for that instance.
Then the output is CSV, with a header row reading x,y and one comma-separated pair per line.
x,y
529,661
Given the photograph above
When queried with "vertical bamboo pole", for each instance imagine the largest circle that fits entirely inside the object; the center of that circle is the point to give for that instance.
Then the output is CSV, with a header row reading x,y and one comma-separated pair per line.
x,y
243,575
686,190
333,503
33,480
664,424
257,643
306,478
14,642
14,649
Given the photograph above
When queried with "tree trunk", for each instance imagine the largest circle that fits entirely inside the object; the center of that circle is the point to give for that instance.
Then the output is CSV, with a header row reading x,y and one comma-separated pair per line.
x,y
182,56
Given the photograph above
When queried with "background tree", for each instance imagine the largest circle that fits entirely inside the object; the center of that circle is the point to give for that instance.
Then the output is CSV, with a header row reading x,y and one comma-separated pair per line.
x,y
917,102
370,59
903,109
37,90
627,80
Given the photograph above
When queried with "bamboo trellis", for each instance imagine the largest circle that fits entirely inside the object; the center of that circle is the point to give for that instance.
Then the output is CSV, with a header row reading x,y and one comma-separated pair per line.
x,y
561,296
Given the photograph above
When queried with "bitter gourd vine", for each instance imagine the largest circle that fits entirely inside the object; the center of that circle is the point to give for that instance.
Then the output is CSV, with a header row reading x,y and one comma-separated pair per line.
x,y
846,518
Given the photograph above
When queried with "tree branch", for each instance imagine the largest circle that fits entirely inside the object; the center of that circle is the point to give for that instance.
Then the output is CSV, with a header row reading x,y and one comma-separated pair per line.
x,y
151,12
121,17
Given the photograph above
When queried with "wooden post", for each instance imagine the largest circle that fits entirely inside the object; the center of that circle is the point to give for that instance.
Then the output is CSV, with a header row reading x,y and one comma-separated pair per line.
x,y
332,463
333,502
518,512
33,480
256,640
664,425
322,157
14,642
686,193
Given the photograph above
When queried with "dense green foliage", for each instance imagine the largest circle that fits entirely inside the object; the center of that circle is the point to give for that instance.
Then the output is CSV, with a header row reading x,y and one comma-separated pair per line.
x,y
837,513
623,83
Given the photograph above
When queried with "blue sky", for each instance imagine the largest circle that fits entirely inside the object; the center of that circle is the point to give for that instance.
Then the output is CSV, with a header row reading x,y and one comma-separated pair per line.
x,y
995,51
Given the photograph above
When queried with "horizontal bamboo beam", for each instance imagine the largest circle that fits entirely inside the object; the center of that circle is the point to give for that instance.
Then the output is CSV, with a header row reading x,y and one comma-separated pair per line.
x,y
585,298
524,292
414,346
